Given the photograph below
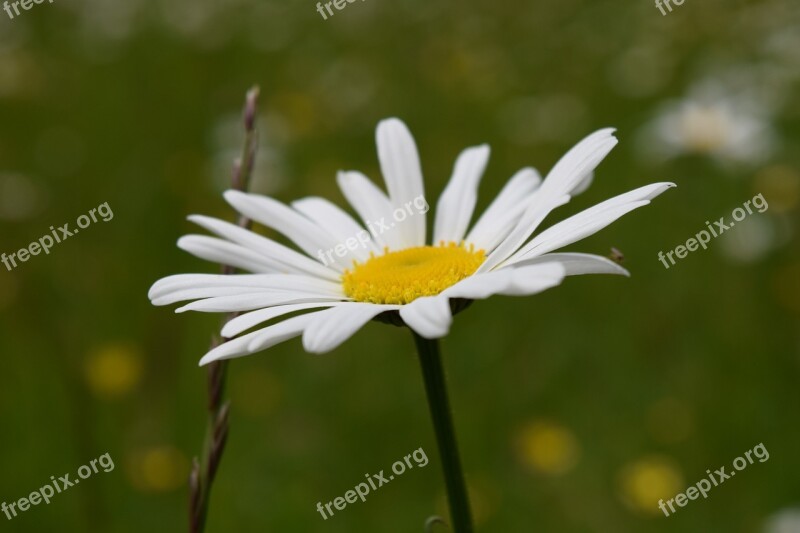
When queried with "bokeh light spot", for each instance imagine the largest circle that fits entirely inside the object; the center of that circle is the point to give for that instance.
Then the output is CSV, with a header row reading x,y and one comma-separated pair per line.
x,y
113,370
158,469
647,480
548,448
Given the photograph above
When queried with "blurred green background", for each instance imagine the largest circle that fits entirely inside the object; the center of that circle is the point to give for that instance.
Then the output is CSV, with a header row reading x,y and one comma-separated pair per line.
x,y
576,409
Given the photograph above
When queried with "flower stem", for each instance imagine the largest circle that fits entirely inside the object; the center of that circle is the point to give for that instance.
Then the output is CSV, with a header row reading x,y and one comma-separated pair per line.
x,y
436,389
204,469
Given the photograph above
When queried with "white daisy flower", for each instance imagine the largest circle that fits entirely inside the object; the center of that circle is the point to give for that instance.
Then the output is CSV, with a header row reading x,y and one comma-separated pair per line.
x,y
396,272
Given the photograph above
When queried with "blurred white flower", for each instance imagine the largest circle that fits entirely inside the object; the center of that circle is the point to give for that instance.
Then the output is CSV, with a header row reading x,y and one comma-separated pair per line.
x,y
20,197
750,241
784,521
709,122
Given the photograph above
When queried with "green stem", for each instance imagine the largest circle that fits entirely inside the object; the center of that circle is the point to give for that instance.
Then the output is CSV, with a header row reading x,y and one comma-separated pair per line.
x,y
436,389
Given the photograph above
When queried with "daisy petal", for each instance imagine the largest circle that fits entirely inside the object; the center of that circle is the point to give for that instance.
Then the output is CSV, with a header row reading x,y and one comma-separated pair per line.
x,y
588,222
457,202
332,327
200,293
522,281
264,338
503,213
254,300
402,172
567,174
535,279
193,286
287,259
246,321
289,328
576,264
273,214
583,184
574,167
373,206
230,349
227,253
429,316
480,286
339,224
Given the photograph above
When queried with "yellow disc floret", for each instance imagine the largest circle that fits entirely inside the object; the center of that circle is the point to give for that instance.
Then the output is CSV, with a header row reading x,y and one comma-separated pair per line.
x,y
403,276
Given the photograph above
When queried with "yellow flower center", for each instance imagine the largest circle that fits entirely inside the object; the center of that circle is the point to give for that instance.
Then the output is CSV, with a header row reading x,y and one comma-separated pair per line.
x,y
403,276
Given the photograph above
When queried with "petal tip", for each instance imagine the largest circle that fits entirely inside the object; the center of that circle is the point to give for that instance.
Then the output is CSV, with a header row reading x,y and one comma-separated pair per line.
x,y
313,347
232,195
391,122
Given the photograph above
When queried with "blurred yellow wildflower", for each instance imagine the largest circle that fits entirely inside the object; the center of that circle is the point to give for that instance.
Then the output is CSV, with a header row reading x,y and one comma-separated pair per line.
x,y
113,370
548,447
644,481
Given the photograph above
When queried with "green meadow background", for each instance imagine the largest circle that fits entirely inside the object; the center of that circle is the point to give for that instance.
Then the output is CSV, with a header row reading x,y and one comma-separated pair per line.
x,y
576,409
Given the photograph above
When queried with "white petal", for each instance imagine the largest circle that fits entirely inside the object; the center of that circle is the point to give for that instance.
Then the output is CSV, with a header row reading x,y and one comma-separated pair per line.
x,y
254,300
583,184
374,208
429,316
227,253
310,238
588,222
169,284
246,321
504,212
332,327
287,259
402,172
230,349
576,165
345,230
200,293
576,264
490,263
568,173
289,328
481,286
193,286
534,279
522,281
457,202
266,337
